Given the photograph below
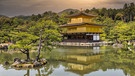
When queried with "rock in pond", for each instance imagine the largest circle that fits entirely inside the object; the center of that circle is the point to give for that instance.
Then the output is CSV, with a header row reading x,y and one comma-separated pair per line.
x,y
37,64
24,64
6,63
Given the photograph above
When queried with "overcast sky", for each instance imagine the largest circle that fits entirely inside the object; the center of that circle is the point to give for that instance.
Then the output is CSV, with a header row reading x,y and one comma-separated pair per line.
x,y
28,7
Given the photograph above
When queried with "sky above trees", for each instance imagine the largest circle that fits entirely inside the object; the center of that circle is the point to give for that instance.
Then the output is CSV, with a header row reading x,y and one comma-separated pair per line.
x,y
28,7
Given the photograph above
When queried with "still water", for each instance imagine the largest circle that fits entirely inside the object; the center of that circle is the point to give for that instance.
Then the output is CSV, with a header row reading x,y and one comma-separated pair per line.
x,y
73,61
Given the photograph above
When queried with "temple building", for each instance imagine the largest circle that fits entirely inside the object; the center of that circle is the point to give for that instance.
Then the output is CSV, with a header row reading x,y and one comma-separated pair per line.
x,y
81,28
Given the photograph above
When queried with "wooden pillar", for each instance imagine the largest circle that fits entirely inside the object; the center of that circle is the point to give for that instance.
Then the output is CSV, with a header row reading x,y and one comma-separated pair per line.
x,y
85,36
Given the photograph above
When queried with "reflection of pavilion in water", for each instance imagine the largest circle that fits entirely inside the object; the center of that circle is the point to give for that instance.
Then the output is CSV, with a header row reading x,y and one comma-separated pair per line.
x,y
82,64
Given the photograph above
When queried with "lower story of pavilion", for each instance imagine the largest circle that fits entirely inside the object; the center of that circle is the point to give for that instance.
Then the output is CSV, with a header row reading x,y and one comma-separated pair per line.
x,y
81,37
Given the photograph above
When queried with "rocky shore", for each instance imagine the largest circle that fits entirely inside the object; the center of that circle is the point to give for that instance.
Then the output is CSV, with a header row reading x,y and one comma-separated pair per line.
x,y
18,63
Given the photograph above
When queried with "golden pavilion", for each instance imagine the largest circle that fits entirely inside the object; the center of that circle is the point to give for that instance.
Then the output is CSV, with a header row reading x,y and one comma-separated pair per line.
x,y
81,28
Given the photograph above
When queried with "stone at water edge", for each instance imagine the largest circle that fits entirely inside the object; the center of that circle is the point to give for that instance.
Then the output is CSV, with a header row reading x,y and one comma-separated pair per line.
x,y
40,62
24,64
17,59
6,63
23,61
43,61
37,64
15,64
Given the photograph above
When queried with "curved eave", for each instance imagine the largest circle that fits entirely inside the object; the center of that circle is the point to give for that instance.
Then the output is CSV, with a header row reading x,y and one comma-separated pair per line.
x,y
71,33
79,24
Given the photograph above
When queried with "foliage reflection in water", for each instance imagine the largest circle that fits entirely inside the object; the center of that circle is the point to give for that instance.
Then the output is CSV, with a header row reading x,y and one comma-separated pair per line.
x,y
73,61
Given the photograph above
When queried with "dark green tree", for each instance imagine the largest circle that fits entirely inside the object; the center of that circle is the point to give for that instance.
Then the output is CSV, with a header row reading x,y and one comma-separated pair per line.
x,y
48,34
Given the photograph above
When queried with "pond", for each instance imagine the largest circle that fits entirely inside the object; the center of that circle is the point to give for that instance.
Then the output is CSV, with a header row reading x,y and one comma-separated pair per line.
x,y
74,61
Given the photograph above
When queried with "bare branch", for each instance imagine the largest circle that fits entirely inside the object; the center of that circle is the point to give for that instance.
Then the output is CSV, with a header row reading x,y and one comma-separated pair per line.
x,y
23,51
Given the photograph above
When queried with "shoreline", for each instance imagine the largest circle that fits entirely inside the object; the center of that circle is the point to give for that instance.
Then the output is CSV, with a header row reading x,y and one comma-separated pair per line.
x,y
88,44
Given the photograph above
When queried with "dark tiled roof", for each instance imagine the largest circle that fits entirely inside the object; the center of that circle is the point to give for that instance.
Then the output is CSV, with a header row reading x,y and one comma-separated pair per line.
x,y
80,13
78,24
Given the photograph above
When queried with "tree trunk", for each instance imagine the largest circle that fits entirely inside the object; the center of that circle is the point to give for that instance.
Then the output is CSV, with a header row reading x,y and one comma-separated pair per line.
x,y
130,17
28,73
28,55
39,47
39,74
122,18
26,51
